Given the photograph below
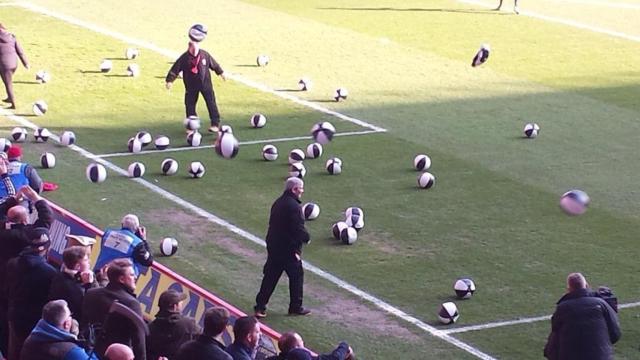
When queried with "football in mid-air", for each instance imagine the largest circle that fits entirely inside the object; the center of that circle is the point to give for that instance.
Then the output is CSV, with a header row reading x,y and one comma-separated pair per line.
x,y
40,108
197,32
481,56
574,202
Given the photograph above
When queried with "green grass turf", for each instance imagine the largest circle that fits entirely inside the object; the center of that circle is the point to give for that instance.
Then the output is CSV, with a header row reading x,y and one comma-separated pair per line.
x,y
493,212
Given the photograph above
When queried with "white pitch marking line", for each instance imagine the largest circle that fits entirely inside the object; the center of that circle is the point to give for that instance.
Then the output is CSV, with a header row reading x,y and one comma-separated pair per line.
x,y
517,322
252,142
567,22
173,55
379,303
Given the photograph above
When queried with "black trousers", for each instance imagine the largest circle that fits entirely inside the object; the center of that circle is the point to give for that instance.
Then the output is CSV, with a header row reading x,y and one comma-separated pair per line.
x,y
191,99
7,79
272,272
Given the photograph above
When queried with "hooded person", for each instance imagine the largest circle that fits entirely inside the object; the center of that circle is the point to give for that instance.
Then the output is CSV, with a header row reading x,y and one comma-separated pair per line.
x,y
28,278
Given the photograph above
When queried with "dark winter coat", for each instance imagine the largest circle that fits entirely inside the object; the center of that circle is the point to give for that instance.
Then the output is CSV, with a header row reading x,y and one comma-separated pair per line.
x,y
28,280
48,342
168,332
203,347
239,351
583,327
70,288
95,310
195,70
286,232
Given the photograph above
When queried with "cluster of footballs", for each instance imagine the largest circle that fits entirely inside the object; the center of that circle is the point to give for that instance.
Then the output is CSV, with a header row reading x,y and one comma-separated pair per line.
x,y
305,84
133,69
40,135
322,134
464,289
347,230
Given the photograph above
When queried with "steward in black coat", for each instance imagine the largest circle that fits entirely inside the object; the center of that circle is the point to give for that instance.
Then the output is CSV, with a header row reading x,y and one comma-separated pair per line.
x,y
583,327
168,332
285,237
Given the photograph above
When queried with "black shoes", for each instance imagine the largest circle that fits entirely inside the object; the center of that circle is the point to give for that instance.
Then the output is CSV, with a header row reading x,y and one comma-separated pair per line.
x,y
260,314
300,312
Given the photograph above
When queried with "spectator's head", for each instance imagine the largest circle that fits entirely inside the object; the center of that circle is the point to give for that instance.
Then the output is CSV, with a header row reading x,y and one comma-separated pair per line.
x,y
171,301
121,271
576,281
14,152
215,321
38,240
130,222
295,185
57,313
118,352
246,330
18,215
289,341
299,354
76,258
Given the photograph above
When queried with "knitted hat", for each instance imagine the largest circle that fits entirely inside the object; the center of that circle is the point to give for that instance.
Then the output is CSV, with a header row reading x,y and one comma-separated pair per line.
x,y
15,151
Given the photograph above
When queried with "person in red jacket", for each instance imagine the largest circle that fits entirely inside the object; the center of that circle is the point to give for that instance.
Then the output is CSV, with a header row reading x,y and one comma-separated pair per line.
x,y
10,51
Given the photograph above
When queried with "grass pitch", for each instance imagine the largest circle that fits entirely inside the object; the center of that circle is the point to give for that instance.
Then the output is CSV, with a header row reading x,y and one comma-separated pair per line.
x,y
492,214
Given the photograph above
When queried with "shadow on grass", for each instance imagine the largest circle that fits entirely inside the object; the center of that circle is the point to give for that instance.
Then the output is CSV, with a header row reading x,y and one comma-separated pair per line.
x,y
26,82
289,90
117,75
92,72
323,100
246,65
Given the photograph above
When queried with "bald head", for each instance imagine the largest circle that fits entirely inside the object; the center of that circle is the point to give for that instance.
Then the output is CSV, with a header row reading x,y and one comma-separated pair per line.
x,y
289,341
118,352
576,281
18,215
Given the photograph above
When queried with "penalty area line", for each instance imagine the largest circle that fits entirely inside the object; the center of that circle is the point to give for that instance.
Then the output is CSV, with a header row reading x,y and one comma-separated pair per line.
x,y
529,320
251,142
363,295
562,21
174,55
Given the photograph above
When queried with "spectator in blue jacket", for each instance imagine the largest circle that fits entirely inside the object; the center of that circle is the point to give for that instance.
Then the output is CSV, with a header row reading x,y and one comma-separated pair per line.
x,y
51,339
128,242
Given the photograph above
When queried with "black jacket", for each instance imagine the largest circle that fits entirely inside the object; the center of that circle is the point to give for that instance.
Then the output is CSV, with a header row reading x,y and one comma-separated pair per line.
x,y
95,312
70,288
168,332
28,280
195,70
203,347
286,232
583,327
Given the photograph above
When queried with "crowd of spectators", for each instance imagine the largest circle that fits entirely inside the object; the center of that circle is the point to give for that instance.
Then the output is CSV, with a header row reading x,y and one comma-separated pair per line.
x,y
73,310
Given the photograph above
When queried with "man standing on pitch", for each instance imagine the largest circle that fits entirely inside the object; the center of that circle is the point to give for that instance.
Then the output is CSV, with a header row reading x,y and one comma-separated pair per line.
x,y
10,51
285,237
194,65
